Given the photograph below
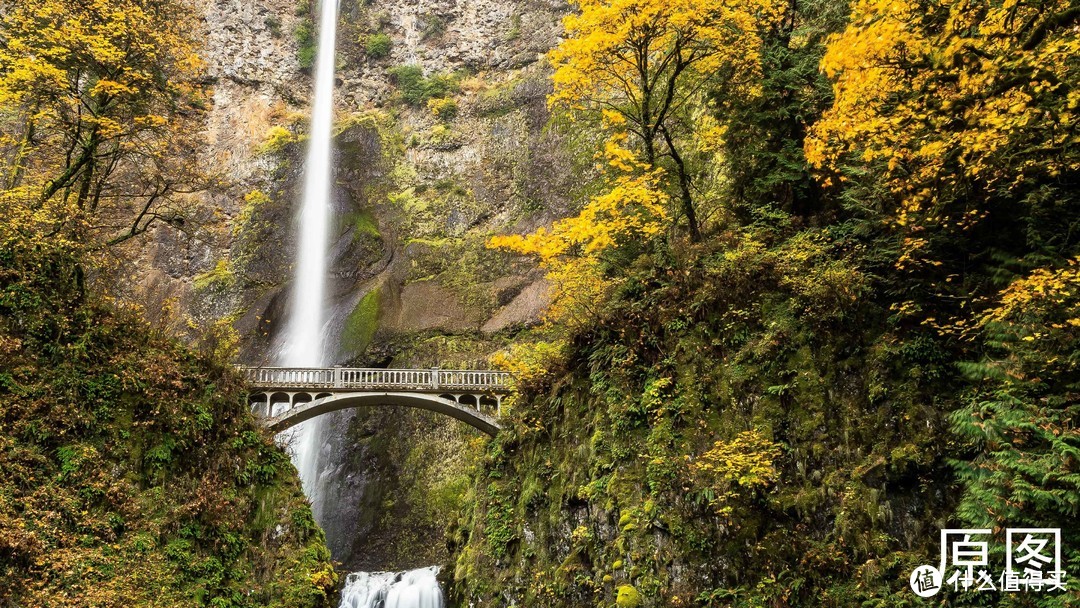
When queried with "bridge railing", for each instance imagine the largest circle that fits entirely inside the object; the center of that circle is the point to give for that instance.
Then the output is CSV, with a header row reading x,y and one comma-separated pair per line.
x,y
345,378
289,377
473,379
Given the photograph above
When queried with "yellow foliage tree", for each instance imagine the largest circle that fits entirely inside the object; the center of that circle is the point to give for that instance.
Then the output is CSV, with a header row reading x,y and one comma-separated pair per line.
x,y
730,468
945,93
100,110
573,250
1043,309
641,61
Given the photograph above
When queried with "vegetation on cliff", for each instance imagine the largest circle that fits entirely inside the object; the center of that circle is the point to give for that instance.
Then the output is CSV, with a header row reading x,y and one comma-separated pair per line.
x,y
133,472
819,299
102,103
870,334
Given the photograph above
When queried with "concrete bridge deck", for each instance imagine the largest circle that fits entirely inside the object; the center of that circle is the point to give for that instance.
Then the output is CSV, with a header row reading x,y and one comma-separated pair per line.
x,y
286,396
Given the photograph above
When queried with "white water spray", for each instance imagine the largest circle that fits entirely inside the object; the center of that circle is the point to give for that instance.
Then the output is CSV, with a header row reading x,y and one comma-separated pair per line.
x,y
304,338
412,589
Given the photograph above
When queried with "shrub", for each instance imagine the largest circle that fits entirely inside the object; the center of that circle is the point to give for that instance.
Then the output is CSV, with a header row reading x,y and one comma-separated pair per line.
x,y
217,279
416,88
273,23
276,139
515,28
431,25
252,201
377,45
305,38
443,109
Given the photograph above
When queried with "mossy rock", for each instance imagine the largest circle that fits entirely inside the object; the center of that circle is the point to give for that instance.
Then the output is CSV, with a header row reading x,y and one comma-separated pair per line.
x,y
628,597
361,323
363,224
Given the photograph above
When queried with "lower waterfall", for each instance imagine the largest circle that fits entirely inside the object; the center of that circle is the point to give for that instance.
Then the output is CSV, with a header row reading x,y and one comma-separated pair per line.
x,y
412,589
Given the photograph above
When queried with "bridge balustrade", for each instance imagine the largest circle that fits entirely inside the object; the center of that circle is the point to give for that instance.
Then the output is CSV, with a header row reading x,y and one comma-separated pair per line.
x,y
344,378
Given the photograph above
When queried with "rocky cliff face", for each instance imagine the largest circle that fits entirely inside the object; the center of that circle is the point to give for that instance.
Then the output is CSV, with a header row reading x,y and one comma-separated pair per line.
x,y
253,72
423,176
443,139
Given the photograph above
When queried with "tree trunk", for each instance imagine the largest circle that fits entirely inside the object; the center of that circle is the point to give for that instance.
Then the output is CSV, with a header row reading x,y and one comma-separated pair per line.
x,y
686,198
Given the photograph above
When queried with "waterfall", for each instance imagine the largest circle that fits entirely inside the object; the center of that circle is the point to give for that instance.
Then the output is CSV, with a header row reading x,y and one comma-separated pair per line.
x,y
305,338
412,589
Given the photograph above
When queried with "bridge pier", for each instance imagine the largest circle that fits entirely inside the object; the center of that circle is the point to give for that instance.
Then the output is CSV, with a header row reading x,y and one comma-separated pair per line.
x,y
265,407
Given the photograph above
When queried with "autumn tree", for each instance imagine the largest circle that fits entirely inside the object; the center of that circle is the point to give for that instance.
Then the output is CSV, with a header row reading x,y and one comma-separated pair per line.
x,y
966,109
960,117
642,62
575,250
101,113
639,68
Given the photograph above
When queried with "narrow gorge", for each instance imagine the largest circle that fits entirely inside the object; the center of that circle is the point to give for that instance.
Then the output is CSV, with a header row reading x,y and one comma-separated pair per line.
x,y
306,340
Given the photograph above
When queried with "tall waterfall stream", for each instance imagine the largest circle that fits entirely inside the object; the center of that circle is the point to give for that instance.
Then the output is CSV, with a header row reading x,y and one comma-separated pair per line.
x,y
305,335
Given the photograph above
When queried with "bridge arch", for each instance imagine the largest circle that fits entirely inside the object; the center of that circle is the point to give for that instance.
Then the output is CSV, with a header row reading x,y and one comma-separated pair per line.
x,y
346,400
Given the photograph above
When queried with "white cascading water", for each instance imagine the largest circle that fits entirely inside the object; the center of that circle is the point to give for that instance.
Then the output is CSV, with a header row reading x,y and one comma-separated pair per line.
x,y
304,340
304,344
412,589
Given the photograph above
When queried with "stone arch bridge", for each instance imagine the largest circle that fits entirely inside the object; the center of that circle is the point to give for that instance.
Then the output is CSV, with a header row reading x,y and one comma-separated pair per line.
x,y
283,397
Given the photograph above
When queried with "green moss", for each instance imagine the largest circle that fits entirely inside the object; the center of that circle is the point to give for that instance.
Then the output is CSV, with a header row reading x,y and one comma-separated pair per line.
x,y
361,323
628,597
249,210
363,224
435,243
462,264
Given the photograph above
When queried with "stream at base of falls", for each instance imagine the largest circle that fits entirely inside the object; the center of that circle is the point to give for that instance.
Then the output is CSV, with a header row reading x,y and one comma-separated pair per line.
x,y
411,589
